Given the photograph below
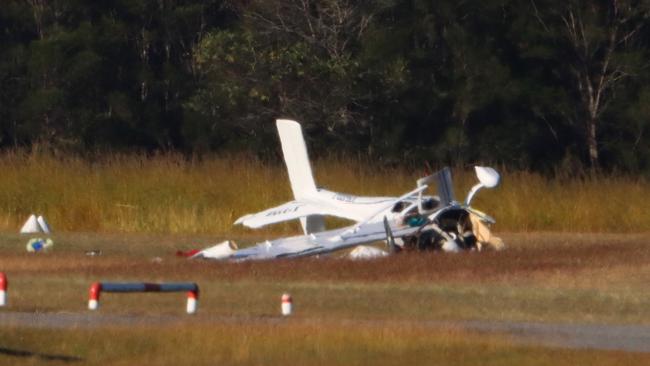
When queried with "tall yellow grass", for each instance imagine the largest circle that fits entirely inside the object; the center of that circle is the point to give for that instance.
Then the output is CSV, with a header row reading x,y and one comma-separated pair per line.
x,y
171,194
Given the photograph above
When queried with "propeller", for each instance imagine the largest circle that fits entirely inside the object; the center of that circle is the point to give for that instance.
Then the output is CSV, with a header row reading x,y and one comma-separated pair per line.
x,y
449,239
390,239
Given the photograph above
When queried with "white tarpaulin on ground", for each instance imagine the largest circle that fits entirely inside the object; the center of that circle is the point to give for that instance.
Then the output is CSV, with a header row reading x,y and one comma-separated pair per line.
x,y
366,252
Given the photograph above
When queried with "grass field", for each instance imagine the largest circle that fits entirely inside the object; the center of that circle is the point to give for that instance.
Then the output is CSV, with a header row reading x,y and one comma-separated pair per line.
x,y
170,194
138,211
287,343
345,312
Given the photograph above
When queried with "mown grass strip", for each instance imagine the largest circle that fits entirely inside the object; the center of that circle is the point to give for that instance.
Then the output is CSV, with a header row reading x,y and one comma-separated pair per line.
x,y
286,343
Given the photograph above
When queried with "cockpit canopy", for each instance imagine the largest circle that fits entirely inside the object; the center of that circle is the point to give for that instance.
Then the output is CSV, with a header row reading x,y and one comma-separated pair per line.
x,y
408,206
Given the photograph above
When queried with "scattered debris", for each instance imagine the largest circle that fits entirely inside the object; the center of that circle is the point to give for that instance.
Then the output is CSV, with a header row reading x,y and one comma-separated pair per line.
x,y
93,253
366,252
35,225
39,244
187,253
45,227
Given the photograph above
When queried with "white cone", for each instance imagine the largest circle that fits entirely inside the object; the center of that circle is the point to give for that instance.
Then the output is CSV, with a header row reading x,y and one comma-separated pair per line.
x,y
43,224
31,226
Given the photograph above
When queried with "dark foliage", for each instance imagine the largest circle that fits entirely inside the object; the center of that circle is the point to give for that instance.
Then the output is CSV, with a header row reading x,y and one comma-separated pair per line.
x,y
544,84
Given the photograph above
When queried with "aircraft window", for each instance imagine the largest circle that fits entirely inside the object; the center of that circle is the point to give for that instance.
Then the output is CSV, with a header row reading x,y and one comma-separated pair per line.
x,y
429,204
399,206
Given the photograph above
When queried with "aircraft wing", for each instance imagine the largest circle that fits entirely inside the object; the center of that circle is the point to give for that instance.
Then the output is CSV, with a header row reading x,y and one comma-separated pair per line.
x,y
288,211
319,243
303,208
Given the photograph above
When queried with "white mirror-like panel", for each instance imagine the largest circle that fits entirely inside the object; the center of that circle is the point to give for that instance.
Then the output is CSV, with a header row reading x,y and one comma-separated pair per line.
x,y
487,176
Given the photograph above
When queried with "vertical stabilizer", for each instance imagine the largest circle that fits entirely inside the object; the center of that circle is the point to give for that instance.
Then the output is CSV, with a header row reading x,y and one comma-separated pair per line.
x,y
299,169
296,158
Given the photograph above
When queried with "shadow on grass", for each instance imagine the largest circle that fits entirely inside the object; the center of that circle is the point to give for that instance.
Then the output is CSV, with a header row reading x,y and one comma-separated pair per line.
x,y
42,356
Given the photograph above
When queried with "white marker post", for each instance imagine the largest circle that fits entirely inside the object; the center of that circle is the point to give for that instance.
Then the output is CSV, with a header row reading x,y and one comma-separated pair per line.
x,y
192,301
3,289
287,304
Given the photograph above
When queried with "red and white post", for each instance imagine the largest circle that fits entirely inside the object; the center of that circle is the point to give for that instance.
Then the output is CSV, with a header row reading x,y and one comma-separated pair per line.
x,y
93,295
3,289
192,301
98,287
287,304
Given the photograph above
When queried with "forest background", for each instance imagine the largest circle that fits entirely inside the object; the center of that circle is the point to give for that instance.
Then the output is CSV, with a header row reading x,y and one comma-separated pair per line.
x,y
541,85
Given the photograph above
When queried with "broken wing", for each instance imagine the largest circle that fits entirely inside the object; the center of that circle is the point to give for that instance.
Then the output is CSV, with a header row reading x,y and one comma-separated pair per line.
x,y
321,243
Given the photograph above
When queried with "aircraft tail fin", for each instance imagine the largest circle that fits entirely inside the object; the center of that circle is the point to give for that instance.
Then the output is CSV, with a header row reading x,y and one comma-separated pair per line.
x,y
296,158
299,169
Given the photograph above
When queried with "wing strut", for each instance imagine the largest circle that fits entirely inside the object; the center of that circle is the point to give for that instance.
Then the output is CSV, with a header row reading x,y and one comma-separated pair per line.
x,y
390,239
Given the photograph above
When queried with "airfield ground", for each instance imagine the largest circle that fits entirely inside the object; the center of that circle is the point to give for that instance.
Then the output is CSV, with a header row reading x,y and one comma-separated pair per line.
x,y
530,304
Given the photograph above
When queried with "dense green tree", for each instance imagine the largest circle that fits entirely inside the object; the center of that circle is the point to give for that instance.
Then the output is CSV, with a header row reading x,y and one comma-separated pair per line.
x,y
15,34
544,84
593,49
292,58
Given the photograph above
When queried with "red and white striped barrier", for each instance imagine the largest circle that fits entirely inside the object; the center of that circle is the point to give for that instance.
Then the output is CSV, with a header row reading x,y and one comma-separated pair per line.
x,y
3,289
287,304
98,287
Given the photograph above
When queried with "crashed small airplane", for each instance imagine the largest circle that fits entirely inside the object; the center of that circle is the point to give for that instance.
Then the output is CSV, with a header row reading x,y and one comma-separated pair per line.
x,y
413,221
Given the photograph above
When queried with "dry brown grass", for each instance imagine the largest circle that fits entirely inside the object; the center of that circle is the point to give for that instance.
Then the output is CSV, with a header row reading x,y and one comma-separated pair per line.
x,y
285,343
527,256
345,312
540,277
170,194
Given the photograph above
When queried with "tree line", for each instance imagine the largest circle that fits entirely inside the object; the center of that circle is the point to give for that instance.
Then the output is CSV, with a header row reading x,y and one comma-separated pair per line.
x,y
528,84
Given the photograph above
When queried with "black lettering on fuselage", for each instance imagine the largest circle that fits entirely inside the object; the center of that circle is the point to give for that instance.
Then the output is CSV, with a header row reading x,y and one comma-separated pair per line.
x,y
284,211
344,197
